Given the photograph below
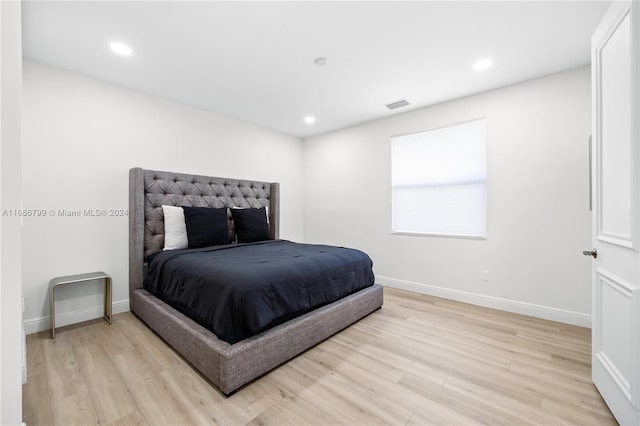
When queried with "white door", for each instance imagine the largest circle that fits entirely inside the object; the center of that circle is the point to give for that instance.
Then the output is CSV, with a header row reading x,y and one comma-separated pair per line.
x,y
615,50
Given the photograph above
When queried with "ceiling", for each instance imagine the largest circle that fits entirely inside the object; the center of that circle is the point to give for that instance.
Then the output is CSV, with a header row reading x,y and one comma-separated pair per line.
x,y
255,60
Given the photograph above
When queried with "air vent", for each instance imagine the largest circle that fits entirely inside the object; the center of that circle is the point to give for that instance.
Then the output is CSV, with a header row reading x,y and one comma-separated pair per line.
x,y
397,104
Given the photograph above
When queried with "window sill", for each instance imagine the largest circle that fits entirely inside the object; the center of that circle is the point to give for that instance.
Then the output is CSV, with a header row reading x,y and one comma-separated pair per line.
x,y
419,234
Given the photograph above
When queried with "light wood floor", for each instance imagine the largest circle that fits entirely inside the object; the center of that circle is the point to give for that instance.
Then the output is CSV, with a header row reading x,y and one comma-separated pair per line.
x,y
418,360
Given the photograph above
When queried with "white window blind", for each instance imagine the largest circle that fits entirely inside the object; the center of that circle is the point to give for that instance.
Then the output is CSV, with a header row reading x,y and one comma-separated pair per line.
x,y
439,181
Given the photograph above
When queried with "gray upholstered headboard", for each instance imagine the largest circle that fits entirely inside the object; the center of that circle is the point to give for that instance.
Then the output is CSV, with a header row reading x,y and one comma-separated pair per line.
x,y
150,189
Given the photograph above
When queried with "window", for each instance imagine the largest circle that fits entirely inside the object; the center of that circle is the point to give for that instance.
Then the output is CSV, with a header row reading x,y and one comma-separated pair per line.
x,y
439,181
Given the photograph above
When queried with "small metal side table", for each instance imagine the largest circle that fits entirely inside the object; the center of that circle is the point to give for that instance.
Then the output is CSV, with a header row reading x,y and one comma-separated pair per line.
x,y
72,279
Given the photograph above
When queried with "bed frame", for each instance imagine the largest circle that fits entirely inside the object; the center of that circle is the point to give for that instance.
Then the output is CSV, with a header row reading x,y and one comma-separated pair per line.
x,y
227,366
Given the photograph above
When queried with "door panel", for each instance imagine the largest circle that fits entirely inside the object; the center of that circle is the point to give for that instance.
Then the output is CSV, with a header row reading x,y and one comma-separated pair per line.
x,y
614,157
614,349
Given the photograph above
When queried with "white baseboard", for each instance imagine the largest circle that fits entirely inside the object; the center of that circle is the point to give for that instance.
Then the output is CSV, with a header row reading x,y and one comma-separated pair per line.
x,y
538,311
35,325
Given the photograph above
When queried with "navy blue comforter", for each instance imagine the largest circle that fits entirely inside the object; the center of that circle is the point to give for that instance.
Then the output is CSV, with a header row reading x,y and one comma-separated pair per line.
x,y
238,290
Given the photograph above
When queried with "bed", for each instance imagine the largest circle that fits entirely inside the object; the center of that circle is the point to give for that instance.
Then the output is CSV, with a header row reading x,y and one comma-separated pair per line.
x,y
227,366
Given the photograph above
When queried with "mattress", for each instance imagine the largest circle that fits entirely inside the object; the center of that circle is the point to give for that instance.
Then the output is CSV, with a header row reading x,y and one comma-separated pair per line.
x,y
239,290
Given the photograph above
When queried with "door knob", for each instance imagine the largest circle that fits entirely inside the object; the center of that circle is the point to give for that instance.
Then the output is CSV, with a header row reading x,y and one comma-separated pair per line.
x,y
593,253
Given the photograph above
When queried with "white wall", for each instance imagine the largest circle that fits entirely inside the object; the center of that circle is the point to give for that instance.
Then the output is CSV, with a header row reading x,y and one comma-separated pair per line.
x,y
11,337
81,136
538,214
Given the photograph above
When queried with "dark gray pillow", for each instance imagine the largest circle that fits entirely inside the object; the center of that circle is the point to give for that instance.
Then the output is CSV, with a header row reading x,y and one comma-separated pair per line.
x,y
206,227
251,224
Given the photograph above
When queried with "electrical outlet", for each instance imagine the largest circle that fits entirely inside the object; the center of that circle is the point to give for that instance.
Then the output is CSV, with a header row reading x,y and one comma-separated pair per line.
x,y
485,276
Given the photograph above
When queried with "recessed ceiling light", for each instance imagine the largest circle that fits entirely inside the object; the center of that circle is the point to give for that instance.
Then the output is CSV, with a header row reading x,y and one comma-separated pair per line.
x,y
482,64
321,62
121,48
309,119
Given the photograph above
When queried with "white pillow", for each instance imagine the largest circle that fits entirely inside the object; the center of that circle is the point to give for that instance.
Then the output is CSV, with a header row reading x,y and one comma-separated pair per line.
x,y
175,228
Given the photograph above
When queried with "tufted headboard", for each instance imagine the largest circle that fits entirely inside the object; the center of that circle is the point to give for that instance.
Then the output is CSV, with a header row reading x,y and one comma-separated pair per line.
x,y
150,189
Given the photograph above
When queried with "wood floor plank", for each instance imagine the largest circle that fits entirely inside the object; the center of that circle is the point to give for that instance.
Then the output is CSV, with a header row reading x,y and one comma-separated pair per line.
x,y
112,339
132,419
388,389
530,410
355,393
295,382
250,401
76,409
292,403
35,356
520,387
149,345
199,398
284,410
576,416
352,357
111,396
418,360
64,377
36,405
481,412
82,336
595,405
157,403
393,360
